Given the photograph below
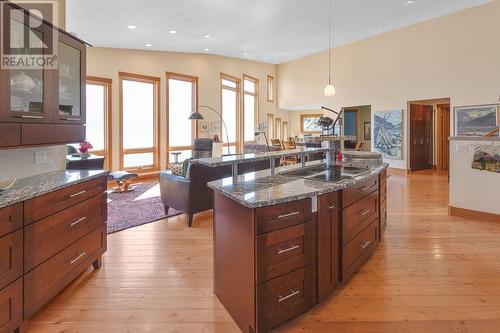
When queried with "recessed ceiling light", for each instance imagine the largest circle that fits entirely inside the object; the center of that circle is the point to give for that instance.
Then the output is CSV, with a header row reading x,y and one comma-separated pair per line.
x,y
265,58
131,27
208,36
149,44
206,49
172,32
244,53
380,30
409,2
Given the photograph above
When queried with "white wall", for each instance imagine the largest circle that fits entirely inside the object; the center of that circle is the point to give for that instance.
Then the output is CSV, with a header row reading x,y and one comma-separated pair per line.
x,y
455,56
469,188
105,62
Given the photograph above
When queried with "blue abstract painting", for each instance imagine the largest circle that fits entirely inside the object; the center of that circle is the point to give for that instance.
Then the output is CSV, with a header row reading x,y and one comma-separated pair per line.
x,y
387,133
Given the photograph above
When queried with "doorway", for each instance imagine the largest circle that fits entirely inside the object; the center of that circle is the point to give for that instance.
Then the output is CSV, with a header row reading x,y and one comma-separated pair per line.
x,y
350,127
429,131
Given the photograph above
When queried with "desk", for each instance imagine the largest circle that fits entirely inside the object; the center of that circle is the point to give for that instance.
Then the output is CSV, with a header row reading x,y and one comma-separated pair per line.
x,y
94,162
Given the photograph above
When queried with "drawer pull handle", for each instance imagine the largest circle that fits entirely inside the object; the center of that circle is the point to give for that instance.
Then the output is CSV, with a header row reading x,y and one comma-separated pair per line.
x,y
331,207
71,119
78,257
293,247
29,117
364,244
81,219
77,194
283,216
284,298
364,212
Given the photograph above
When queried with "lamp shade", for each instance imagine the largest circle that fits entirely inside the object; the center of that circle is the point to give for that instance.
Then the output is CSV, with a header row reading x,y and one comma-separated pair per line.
x,y
196,116
330,90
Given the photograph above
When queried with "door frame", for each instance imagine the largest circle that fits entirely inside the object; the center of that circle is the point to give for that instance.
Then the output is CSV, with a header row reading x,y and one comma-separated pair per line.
x,y
442,141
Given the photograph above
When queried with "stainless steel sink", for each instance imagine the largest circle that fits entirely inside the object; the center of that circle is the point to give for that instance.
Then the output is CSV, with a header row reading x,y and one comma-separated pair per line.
x,y
332,174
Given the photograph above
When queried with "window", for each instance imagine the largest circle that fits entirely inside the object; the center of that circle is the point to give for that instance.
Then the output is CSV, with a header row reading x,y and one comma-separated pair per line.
x,y
277,129
286,135
250,107
270,126
182,99
270,88
308,123
98,126
230,102
139,119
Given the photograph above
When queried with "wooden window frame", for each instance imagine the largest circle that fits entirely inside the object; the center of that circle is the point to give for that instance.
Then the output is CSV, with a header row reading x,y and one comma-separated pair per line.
x,y
256,105
156,123
278,127
305,115
108,118
236,80
270,125
287,137
270,89
195,96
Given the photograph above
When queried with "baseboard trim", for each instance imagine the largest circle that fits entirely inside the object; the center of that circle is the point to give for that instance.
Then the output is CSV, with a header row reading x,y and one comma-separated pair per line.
x,y
473,214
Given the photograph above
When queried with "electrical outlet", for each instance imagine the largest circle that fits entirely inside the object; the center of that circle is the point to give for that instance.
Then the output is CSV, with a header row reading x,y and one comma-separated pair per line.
x,y
461,148
40,157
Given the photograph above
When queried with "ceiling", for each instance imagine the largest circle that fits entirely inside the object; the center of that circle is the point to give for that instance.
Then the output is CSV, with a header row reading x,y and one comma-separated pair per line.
x,y
273,31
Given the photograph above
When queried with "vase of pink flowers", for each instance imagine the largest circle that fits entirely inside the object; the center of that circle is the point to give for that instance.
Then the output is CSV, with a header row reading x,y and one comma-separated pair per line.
x,y
84,149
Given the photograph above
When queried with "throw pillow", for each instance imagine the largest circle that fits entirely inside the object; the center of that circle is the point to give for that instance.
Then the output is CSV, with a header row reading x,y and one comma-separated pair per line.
x,y
177,168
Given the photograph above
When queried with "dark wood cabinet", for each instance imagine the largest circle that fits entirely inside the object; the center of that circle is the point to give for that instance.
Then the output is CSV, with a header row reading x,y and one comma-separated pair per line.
x,y
383,204
59,235
36,100
328,243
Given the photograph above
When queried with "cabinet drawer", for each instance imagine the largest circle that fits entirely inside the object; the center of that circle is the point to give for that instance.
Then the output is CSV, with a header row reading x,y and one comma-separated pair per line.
x,y
360,190
282,251
48,279
11,307
359,215
355,253
52,234
283,298
283,215
11,257
11,218
10,135
42,134
48,204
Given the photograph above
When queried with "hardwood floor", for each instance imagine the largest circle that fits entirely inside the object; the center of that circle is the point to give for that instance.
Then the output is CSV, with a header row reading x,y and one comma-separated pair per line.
x,y
433,273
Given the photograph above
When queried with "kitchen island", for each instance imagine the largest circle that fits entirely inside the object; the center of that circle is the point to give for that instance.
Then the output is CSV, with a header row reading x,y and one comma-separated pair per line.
x,y
285,242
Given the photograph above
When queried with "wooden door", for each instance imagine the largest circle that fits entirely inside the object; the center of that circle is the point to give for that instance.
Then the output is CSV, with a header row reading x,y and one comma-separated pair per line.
x,y
420,137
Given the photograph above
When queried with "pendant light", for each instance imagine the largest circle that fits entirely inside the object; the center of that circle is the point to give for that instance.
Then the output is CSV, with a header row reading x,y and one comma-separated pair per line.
x,y
329,89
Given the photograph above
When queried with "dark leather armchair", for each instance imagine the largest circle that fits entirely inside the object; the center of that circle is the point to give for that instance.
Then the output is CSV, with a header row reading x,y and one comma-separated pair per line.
x,y
191,195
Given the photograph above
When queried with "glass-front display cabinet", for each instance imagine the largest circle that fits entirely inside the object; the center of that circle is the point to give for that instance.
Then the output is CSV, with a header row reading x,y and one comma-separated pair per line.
x,y
71,82
25,84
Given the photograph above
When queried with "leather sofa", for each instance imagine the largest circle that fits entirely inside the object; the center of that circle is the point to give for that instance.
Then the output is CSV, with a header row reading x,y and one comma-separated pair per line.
x,y
191,194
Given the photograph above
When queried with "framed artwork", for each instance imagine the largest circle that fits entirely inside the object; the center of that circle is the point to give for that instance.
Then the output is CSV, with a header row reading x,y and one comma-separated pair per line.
x,y
476,120
486,157
367,131
204,126
387,133
309,123
216,127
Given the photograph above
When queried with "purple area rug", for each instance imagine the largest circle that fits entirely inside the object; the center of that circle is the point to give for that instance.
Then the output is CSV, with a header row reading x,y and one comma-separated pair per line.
x,y
141,206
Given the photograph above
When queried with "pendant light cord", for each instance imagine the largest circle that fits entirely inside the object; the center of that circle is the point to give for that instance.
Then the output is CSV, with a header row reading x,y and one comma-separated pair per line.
x,y
329,41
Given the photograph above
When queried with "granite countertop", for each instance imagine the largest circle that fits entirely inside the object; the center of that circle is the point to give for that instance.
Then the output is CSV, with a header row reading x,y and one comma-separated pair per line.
x,y
30,187
255,157
259,189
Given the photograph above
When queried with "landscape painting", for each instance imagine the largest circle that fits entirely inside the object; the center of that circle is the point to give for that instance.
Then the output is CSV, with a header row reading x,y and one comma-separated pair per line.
x,y
476,120
487,157
387,133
